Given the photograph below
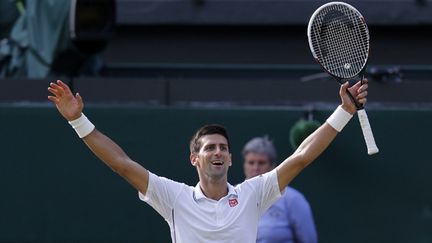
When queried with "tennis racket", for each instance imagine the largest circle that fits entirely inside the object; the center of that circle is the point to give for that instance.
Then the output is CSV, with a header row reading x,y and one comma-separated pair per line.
x,y
339,40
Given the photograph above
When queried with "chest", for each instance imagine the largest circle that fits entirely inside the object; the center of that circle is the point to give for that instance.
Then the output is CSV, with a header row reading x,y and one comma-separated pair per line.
x,y
230,214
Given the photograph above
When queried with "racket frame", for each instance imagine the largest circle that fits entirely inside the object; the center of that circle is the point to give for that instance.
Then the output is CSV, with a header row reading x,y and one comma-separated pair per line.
x,y
364,121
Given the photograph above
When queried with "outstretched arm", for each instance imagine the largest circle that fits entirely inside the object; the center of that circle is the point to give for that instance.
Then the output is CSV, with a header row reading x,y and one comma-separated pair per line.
x,y
319,140
70,107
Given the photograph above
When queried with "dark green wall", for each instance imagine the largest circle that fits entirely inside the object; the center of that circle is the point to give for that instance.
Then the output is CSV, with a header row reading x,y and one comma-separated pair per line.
x,y
55,190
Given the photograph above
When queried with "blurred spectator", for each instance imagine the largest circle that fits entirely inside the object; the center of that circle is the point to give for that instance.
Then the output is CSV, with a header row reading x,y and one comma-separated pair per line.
x,y
45,39
288,220
8,14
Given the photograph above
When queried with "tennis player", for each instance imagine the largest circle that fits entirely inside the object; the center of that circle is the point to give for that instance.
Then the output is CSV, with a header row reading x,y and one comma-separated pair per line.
x,y
213,210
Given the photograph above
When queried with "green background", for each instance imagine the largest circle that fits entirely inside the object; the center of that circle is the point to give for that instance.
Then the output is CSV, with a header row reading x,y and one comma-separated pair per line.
x,y
55,190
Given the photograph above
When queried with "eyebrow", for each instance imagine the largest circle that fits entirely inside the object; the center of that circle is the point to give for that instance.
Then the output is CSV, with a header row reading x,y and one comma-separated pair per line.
x,y
215,144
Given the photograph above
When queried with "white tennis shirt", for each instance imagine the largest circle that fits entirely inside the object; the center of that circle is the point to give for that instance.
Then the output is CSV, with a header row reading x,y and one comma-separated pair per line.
x,y
194,218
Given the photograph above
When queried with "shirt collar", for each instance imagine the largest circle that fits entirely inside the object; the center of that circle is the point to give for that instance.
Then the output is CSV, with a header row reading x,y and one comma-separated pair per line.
x,y
198,194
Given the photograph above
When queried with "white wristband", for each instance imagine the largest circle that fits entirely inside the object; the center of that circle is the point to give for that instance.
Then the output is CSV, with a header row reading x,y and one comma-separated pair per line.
x,y
82,126
339,119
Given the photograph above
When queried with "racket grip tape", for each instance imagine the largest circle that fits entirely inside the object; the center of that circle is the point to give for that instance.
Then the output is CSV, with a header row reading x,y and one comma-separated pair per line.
x,y
367,132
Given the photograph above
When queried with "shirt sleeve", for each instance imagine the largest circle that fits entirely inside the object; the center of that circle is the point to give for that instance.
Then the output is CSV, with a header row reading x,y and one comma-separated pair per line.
x,y
162,194
301,217
267,189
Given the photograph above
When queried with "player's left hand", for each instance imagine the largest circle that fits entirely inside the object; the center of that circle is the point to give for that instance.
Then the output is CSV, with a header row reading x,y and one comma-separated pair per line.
x,y
358,91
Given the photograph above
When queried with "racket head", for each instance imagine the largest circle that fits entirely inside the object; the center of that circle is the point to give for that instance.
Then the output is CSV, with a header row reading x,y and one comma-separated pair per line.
x,y
339,39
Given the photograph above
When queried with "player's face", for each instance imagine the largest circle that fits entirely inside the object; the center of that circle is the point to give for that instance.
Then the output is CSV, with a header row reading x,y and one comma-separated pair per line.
x,y
256,164
213,158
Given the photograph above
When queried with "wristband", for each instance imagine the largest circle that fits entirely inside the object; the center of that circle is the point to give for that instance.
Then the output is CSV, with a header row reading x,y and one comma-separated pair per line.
x,y
339,118
82,126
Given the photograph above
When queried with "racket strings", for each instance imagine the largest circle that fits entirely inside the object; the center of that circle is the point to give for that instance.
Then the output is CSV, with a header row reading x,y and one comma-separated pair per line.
x,y
343,53
340,40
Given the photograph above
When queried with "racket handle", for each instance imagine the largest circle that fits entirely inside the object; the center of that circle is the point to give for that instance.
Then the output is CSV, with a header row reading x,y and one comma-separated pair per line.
x,y
367,132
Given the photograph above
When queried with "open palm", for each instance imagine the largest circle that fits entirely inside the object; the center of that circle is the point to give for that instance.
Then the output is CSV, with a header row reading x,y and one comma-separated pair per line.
x,y
69,106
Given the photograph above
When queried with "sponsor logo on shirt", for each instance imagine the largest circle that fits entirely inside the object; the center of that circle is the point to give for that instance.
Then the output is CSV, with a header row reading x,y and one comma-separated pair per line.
x,y
233,202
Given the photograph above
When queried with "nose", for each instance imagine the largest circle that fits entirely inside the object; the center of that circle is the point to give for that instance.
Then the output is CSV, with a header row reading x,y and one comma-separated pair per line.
x,y
255,167
220,150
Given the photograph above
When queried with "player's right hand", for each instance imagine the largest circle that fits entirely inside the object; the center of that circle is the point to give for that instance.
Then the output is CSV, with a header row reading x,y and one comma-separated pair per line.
x,y
68,105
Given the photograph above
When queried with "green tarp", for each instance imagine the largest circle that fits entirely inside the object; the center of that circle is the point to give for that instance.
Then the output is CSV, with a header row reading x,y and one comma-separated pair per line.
x,y
37,37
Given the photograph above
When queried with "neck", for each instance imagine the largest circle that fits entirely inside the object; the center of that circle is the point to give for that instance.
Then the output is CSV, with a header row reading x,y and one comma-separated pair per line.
x,y
214,189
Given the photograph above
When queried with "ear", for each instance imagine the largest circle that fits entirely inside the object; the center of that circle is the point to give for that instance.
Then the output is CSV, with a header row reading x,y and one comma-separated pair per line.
x,y
193,159
230,160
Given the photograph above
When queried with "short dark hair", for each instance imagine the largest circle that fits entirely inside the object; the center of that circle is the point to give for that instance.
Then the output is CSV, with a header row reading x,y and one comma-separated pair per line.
x,y
195,142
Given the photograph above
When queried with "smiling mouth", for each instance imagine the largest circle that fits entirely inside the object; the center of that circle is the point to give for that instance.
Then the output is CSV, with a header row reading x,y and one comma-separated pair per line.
x,y
217,163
